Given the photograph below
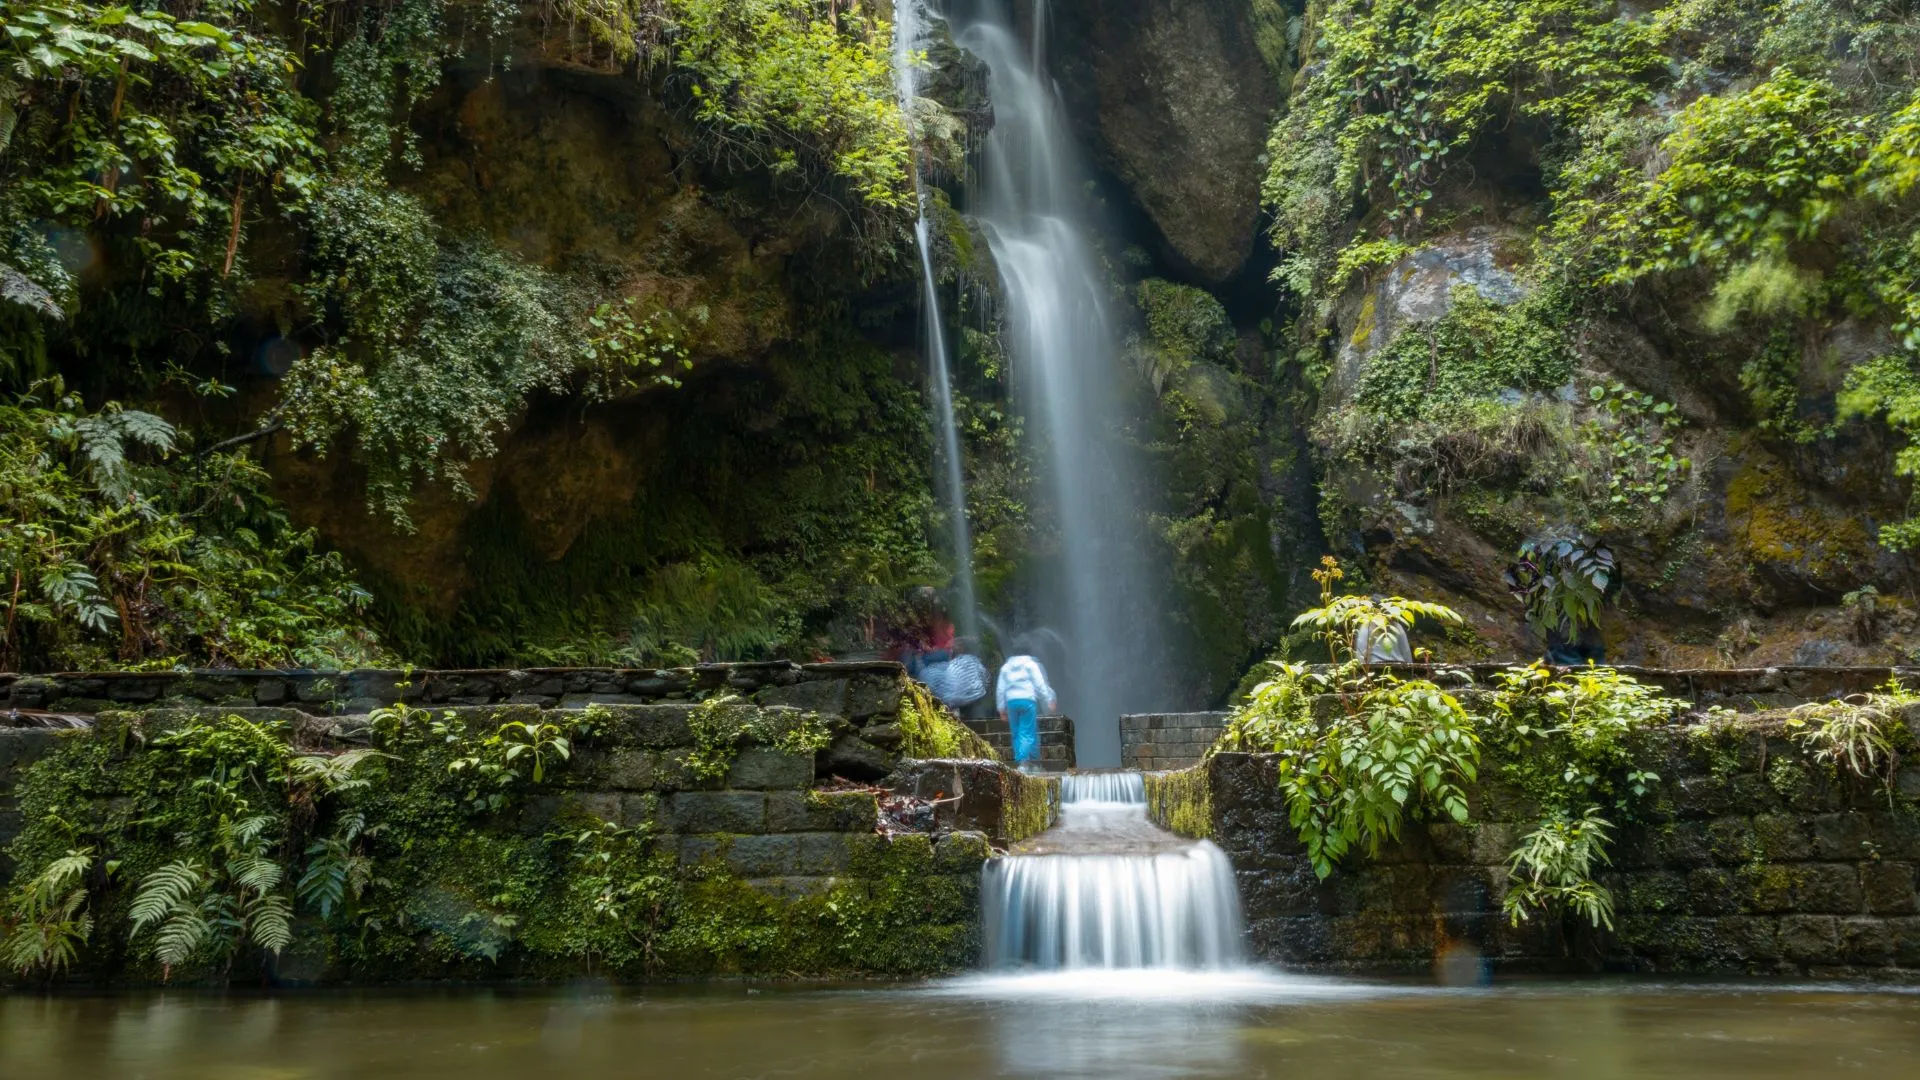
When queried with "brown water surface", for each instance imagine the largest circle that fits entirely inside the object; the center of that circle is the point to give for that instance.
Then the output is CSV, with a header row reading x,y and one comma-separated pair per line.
x,y
1147,1025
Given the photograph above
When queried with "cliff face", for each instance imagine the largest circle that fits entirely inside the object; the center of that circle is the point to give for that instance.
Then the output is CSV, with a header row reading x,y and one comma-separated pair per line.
x,y
1454,390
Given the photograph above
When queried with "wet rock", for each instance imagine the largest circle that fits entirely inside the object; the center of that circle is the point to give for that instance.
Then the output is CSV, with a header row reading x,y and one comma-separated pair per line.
x,y
1174,99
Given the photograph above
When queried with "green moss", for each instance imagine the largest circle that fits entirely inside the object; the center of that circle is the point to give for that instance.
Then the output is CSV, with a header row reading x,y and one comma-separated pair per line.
x,y
929,730
1182,801
1028,805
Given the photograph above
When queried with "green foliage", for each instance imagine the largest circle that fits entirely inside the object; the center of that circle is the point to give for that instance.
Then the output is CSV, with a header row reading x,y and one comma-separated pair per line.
x,y
1562,582
1395,92
1351,780
401,872
1570,742
204,911
117,550
1552,870
1339,621
798,86
722,725
1475,353
1858,733
1184,325
47,920
1744,176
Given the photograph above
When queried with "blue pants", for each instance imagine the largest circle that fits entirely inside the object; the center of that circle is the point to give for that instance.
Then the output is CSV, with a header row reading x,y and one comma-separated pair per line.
x,y
1024,717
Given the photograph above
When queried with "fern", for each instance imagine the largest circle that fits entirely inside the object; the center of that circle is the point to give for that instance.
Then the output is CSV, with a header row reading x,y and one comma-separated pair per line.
x,y
172,887
271,922
47,924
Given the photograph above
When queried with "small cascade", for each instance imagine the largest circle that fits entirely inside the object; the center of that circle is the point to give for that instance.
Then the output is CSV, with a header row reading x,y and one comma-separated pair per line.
x,y
1107,888
909,40
1104,787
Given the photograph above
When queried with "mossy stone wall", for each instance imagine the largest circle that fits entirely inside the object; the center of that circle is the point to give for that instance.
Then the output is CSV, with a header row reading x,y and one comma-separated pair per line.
x,y
1750,857
762,871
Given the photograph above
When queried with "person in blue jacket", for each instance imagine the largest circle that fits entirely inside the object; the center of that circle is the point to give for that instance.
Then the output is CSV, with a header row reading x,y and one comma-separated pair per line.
x,y
1020,692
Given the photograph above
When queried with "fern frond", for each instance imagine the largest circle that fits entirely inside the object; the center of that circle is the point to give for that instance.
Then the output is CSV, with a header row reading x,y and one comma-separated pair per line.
x,y
180,937
164,891
255,872
272,922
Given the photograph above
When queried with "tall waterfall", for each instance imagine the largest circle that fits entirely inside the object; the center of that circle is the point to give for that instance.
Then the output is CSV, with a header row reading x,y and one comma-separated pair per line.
x,y
1068,380
1111,891
909,40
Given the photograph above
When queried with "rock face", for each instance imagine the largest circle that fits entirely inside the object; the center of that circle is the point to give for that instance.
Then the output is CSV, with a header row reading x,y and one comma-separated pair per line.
x,y
1173,98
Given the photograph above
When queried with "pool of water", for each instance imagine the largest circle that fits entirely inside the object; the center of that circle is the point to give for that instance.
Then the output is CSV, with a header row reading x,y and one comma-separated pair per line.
x,y
1247,1024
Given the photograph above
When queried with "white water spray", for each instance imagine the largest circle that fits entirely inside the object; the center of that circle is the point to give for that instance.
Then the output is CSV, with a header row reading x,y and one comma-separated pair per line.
x,y
1111,890
909,40
1069,374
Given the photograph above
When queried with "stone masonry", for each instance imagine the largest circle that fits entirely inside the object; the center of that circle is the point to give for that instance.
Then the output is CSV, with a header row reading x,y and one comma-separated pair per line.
x,y
1749,857
1150,741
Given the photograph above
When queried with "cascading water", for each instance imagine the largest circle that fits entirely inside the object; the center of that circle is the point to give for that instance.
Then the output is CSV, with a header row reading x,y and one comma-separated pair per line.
x,y
1068,373
909,40
1108,889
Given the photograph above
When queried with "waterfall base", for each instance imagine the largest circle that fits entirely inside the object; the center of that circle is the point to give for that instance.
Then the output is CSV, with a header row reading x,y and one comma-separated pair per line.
x,y
1106,889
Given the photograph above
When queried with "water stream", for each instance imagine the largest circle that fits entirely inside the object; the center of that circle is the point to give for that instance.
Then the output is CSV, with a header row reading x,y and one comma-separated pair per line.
x,y
1031,204
1107,889
909,41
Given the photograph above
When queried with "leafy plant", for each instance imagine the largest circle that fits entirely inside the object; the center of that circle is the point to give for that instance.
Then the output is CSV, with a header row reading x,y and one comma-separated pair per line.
x,y
721,725
48,920
211,909
1553,868
1857,733
1350,780
1562,582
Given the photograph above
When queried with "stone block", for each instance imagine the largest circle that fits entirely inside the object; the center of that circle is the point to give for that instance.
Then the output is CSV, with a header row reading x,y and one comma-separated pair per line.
x,y
1732,841
855,758
1751,939
717,812
634,770
1865,941
659,727
1888,888
1809,939
1766,888
823,853
764,856
1840,836
1905,935
822,811
794,887
961,852
1828,888
1712,890
873,696
271,692
1493,841
1782,837
765,768
828,697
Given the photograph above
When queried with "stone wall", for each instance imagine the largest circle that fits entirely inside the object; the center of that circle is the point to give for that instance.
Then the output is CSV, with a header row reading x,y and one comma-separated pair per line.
x,y
861,699
1750,858
1150,741
1056,740
786,826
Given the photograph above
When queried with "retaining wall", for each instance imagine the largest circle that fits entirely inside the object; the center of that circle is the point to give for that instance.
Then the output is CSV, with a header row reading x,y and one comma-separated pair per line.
x,y
1056,740
765,824
1150,741
1749,858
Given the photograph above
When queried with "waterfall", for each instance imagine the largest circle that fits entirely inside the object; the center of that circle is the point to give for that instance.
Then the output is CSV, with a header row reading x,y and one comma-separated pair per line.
x,y
1068,379
1113,891
909,39
1107,787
